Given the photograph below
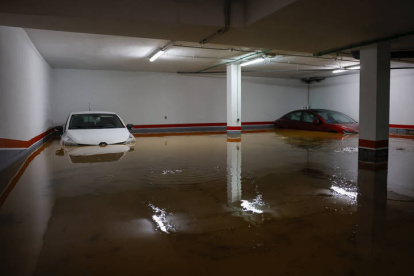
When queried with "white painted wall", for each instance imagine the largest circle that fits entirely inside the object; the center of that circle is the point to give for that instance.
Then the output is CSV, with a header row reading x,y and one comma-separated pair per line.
x,y
337,93
25,77
342,93
145,98
402,97
267,99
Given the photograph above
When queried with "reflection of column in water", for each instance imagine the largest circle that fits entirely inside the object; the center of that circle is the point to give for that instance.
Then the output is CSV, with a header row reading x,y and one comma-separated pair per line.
x,y
372,207
233,171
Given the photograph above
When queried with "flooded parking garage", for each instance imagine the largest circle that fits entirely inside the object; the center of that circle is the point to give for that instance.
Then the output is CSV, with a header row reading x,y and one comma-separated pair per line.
x,y
285,202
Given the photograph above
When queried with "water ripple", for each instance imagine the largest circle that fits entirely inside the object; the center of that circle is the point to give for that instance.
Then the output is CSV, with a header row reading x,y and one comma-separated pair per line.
x,y
185,176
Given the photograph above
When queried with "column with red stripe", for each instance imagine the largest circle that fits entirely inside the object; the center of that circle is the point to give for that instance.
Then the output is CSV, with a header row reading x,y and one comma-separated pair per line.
x,y
233,100
374,103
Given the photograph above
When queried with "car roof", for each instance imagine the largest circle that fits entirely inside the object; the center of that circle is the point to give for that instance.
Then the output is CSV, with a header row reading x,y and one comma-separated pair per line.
x,y
320,109
313,109
92,112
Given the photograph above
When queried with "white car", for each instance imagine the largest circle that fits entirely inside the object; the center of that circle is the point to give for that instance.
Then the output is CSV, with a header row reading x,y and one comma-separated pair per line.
x,y
95,128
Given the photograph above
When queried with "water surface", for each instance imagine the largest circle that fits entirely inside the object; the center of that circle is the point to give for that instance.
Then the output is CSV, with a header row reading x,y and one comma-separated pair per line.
x,y
285,202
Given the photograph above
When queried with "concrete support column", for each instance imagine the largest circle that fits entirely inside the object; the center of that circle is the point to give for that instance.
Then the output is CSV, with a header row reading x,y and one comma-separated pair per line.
x,y
374,103
233,171
233,99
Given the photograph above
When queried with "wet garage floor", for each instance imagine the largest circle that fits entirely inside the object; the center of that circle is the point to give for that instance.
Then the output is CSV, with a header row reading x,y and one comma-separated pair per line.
x,y
285,203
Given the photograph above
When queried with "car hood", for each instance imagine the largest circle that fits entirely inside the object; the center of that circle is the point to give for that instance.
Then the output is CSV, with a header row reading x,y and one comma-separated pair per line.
x,y
354,127
97,136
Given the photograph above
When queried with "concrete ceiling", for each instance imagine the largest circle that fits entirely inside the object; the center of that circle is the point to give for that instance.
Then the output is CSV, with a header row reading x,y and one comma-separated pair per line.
x,y
121,35
91,51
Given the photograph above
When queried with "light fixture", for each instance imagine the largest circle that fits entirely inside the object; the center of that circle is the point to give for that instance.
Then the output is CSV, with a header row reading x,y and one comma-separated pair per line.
x,y
157,55
252,61
338,71
161,51
356,67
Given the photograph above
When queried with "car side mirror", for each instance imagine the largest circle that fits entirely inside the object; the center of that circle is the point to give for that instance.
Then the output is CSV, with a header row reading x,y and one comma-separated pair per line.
x,y
59,128
316,122
129,126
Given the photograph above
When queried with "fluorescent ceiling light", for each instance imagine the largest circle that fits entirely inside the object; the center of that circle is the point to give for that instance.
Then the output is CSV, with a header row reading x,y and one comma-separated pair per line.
x,y
252,61
356,67
157,55
338,71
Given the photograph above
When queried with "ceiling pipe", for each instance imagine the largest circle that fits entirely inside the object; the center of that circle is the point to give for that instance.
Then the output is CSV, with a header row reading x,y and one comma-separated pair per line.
x,y
293,70
257,71
225,63
249,51
202,57
300,64
364,43
227,14
393,55
213,48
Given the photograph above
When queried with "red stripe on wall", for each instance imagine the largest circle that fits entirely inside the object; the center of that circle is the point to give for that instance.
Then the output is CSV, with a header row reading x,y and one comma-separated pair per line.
x,y
257,123
180,125
10,143
402,136
200,125
402,126
373,144
243,123
234,128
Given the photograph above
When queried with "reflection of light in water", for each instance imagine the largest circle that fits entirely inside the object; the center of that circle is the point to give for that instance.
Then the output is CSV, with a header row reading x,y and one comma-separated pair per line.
x,y
171,171
342,191
160,219
348,149
253,205
344,187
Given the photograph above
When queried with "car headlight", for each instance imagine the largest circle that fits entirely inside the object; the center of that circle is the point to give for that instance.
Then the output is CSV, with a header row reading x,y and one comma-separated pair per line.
x,y
65,140
131,139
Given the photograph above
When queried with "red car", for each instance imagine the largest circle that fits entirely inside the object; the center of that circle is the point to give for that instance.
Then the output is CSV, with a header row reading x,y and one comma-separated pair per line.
x,y
318,120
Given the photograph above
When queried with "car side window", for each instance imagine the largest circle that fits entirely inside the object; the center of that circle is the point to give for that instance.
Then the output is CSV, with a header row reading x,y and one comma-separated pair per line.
x,y
294,116
308,117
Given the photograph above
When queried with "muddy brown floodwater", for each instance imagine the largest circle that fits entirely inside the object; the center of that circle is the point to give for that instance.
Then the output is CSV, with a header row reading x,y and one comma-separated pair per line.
x,y
276,203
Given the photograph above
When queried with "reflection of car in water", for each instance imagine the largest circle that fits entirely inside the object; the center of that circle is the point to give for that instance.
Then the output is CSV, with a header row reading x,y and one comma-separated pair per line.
x,y
318,120
309,139
95,128
93,154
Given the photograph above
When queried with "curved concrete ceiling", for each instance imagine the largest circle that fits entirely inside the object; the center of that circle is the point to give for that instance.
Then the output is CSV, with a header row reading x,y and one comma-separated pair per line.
x,y
294,25
104,52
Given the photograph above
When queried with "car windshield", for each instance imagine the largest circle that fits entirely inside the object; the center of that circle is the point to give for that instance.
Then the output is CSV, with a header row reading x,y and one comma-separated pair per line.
x,y
91,121
334,117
